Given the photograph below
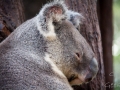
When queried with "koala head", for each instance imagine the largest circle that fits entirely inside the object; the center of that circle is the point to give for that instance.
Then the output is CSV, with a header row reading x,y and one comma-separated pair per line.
x,y
66,47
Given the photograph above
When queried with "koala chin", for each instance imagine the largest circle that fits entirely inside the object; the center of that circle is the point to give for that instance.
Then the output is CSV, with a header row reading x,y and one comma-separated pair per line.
x,y
47,52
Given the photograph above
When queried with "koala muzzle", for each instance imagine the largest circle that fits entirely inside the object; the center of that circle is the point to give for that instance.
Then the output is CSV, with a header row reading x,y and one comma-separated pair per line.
x,y
93,69
88,77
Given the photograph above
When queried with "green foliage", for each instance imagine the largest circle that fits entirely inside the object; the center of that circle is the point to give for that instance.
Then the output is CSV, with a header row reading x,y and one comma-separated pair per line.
x,y
116,11
116,45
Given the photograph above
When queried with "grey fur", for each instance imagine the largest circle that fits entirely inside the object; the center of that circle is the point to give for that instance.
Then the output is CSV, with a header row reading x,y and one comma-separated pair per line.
x,y
33,59
75,18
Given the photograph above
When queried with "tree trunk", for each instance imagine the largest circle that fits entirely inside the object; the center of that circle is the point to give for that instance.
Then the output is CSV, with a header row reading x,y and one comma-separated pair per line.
x,y
11,15
90,30
31,12
106,26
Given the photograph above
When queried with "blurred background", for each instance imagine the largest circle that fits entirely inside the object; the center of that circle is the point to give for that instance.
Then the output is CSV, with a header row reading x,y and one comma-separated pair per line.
x,y
116,43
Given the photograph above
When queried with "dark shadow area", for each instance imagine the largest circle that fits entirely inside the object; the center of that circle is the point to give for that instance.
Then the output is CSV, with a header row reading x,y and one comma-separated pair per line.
x,y
32,7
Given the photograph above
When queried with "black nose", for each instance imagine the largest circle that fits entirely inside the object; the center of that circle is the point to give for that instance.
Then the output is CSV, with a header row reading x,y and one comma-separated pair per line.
x,y
88,78
93,66
93,69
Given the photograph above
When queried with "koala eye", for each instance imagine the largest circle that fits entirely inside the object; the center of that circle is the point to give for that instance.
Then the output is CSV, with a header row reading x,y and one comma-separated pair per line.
x,y
78,55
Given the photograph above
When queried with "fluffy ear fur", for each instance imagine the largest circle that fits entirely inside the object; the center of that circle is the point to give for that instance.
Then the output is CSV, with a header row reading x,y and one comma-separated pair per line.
x,y
55,11
51,12
74,17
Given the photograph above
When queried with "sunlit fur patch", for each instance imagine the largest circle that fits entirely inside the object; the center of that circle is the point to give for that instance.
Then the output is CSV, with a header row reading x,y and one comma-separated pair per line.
x,y
50,34
78,81
54,67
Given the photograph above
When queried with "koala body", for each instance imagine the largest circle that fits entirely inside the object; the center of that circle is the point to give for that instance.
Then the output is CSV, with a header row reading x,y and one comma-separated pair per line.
x,y
46,53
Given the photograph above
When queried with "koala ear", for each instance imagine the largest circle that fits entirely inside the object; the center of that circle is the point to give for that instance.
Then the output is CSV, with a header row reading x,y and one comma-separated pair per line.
x,y
51,12
74,17
54,11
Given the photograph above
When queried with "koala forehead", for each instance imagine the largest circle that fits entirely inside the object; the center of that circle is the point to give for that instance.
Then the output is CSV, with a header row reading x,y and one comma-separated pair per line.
x,y
67,29
67,23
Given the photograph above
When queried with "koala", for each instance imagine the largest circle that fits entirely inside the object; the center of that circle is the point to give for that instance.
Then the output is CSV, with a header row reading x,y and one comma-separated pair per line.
x,y
47,52
74,17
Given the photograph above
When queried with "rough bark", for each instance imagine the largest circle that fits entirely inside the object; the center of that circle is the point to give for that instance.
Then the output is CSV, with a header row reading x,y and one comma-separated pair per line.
x,y
106,27
90,30
11,15
31,12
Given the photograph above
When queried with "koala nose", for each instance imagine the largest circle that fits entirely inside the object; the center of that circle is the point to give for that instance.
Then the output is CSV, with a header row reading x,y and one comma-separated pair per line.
x,y
93,66
93,69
